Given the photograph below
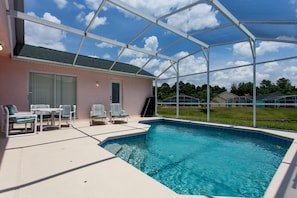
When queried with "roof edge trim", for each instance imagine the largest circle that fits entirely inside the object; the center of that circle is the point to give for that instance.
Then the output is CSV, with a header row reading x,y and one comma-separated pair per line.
x,y
24,58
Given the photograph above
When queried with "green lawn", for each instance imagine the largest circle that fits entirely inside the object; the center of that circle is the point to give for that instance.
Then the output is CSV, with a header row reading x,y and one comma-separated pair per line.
x,y
281,118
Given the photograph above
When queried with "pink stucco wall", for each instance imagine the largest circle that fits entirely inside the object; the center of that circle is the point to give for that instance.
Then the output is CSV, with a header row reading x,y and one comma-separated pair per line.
x,y
14,86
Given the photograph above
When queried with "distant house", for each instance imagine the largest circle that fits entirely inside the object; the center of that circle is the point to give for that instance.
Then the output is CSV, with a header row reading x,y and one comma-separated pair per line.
x,y
184,100
277,100
227,99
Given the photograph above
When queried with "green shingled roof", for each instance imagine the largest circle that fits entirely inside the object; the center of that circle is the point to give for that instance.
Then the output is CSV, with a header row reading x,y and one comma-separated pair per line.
x,y
42,53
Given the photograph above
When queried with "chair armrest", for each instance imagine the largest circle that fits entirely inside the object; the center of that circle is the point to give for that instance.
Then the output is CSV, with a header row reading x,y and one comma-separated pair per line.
x,y
23,115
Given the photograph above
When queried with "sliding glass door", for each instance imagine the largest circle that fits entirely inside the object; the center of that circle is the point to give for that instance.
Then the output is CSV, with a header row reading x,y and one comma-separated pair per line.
x,y
51,89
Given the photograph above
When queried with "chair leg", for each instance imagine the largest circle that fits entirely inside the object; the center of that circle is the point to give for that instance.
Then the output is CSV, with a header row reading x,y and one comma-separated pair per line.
x,y
6,128
35,125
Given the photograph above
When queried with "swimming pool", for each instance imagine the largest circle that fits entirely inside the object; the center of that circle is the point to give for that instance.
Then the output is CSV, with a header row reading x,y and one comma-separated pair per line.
x,y
204,160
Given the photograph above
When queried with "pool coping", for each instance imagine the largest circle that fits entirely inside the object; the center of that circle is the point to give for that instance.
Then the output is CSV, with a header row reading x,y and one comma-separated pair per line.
x,y
282,184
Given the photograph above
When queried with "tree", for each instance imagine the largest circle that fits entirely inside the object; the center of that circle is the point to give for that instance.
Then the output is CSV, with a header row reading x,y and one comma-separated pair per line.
x,y
188,89
242,89
266,87
234,88
284,86
216,90
164,91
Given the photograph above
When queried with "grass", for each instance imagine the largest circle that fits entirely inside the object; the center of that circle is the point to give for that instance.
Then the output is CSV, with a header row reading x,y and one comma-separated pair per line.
x,y
274,118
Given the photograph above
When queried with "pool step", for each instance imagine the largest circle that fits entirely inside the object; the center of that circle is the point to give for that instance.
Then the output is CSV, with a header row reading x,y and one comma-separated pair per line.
x,y
137,158
131,155
125,153
113,148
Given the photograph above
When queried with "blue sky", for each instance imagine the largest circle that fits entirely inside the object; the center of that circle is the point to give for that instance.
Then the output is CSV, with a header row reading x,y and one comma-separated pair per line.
x,y
117,24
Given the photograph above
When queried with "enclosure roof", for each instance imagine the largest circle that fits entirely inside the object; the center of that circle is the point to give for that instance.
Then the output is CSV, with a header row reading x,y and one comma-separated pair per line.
x,y
54,56
272,96
182,97
152,31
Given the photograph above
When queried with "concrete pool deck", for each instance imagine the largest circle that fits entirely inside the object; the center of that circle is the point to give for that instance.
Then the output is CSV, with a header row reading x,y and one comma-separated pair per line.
x,y
69,163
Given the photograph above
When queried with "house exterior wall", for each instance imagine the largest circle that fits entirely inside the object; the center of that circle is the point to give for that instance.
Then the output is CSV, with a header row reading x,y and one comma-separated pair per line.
x,y
14,84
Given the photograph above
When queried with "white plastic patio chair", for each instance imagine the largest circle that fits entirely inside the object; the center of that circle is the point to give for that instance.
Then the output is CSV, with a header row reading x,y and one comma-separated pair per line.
x,y
98,112
116,111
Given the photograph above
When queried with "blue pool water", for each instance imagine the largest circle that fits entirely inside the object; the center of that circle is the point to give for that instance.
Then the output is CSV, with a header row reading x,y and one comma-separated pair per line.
x,y
201,160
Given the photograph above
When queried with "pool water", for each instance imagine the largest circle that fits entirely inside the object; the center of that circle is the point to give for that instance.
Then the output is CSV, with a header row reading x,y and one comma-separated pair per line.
x,y
197,160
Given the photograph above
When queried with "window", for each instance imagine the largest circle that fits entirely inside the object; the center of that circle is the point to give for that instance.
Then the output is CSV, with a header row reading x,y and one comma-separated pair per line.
x,y
51,89
115,92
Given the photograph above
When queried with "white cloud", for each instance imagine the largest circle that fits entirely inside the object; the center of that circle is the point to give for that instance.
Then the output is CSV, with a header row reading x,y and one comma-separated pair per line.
x,y
141,61
243,74
106,56
138,61
133,54
98,21
197,18
190,65
162,67
40,35
61,3
79,6
80,17
291,70
92,4
93,56
266,46
243,49
271,67
104,45
47,16
157,8
151,43
291,73
153,63
228,77
86,19
237,63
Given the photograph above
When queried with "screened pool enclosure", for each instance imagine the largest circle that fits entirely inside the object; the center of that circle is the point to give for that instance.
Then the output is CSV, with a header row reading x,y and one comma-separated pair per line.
x,y
202,41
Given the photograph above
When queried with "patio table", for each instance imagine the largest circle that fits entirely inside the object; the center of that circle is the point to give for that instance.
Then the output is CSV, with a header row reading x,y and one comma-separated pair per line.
x,y
53,111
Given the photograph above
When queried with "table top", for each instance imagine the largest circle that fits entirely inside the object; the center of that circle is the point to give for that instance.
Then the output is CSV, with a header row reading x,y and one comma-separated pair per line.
x,y
47,109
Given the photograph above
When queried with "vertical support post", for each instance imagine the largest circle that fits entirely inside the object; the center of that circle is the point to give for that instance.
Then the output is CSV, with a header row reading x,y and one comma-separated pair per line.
x,y
208,87
253,49
156,96
206,56
177,89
